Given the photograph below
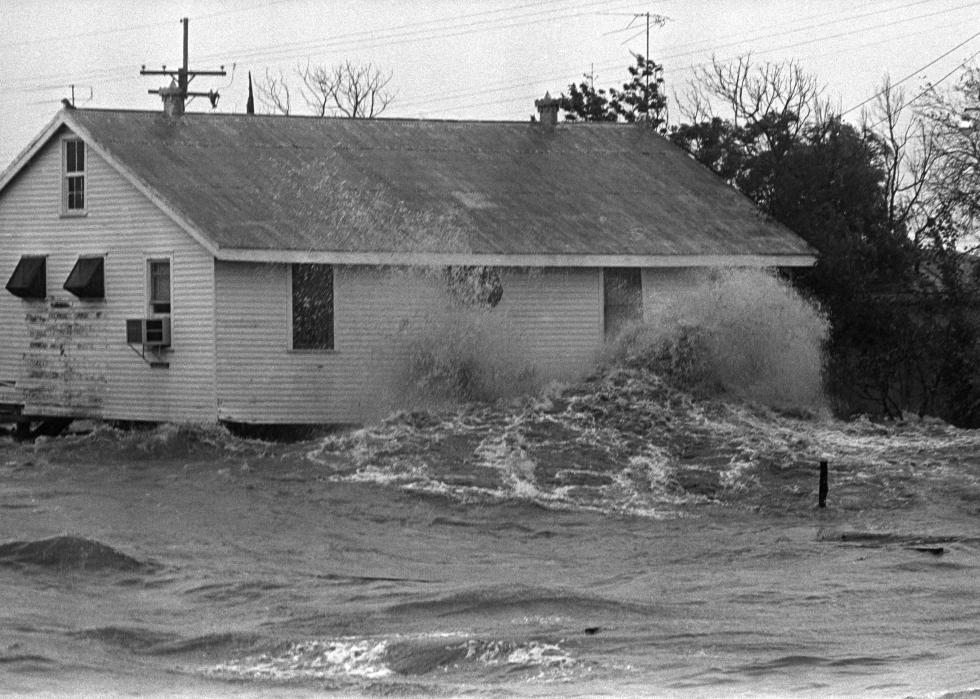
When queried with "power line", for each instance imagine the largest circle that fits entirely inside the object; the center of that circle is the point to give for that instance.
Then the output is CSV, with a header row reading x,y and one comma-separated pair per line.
x,y
912,74
508,21
740,38
930,87
56,82
846,33
669,57
132,27
392,36
397,38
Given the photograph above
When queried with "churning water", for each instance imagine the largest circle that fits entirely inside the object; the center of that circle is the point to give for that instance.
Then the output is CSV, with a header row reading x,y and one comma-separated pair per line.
x,y
619,538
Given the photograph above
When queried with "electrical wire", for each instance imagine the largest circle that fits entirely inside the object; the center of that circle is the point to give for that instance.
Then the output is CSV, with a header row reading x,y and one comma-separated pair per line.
x,y
131,27
929,88
673,56
54,82
506,22
793,45
912,74
539,13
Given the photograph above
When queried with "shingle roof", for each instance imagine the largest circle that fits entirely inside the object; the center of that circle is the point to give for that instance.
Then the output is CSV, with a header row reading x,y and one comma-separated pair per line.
x,y
274,183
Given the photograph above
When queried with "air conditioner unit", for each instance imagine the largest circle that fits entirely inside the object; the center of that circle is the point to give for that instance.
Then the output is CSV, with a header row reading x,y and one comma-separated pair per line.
x,y
149,332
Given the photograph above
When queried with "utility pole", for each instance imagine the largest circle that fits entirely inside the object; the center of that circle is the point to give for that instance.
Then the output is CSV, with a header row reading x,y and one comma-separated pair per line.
x,y
175,96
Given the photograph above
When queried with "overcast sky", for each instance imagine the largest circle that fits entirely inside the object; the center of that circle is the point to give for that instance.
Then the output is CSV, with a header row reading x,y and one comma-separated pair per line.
x,y
469,59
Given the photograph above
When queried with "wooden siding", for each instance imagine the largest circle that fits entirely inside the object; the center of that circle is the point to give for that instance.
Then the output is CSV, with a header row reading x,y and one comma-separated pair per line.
x,y
69,356
555,313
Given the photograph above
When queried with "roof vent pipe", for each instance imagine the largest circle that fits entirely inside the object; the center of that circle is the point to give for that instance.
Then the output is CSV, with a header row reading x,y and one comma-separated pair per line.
x,y
547,111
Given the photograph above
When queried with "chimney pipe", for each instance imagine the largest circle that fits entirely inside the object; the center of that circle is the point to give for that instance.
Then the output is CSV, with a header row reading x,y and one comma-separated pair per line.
x,y
548,111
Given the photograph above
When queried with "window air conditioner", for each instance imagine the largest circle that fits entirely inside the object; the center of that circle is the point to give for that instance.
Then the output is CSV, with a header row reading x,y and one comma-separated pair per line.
x,y
149,332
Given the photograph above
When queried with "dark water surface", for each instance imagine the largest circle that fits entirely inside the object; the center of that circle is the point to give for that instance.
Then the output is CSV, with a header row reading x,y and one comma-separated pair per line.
x,y
454,557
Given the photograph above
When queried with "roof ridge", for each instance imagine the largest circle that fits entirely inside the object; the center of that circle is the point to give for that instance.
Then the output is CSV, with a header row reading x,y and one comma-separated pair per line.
x,y
380,119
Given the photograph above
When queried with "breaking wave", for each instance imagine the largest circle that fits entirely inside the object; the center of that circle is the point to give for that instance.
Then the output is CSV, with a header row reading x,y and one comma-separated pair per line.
x,y
356,658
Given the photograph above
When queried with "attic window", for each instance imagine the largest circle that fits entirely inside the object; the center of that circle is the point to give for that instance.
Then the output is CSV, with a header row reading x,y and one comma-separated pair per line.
x,y
29,280
73,187
87,278
312,299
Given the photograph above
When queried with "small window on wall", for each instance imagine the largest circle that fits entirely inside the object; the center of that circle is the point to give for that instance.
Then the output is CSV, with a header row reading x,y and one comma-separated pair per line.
x,y
73,194
29,280
87,278
159,286
312,297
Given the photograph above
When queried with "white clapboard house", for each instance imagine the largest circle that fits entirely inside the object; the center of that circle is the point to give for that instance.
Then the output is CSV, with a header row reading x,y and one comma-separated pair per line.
x,y
161,267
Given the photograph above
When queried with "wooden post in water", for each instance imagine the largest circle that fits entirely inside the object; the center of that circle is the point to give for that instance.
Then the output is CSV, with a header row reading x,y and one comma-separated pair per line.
x,y
823,484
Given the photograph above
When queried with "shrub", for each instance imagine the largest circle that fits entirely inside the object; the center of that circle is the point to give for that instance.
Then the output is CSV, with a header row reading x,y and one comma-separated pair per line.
x,y
745,332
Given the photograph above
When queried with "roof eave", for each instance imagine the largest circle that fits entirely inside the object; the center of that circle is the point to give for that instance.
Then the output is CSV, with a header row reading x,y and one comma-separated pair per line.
x,y
425,259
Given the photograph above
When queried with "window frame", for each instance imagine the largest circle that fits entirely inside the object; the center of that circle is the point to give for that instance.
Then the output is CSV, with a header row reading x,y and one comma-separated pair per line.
x,y
67,210
291,310
152,312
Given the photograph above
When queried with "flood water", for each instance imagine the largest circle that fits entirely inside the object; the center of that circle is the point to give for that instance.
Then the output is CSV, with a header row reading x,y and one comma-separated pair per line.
x,y
618,540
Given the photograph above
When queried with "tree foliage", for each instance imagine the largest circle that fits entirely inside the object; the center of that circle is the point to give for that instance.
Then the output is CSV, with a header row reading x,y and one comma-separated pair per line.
x,y
887,205
639,100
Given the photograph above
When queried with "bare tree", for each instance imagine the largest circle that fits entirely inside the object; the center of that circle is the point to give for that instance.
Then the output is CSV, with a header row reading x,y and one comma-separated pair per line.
x,y
953,116
750,92
909,154
356,91
273,92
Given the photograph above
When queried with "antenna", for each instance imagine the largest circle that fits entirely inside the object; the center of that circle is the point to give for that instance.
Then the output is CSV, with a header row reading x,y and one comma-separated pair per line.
x,y
175,96
659,20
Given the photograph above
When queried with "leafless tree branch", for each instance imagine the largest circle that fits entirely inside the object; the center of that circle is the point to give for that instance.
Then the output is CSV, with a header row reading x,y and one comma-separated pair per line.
x,y
357,91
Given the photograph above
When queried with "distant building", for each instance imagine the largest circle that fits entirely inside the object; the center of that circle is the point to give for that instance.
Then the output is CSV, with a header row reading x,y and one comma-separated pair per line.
x,y
203,268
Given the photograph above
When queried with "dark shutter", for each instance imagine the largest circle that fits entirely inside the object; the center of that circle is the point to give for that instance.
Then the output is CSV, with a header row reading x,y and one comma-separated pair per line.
x,y
87,278
29,280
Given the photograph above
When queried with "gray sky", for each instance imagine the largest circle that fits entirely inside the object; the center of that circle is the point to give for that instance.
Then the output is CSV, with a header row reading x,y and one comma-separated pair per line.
x,y
454,58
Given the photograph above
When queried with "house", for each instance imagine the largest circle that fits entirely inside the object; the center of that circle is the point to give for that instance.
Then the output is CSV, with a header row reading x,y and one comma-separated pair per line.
x,y
220,267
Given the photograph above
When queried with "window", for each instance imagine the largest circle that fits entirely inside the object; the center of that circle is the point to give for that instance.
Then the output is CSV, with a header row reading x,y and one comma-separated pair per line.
x,y
74,177
622,298
159,284
87,278
29,280
312,307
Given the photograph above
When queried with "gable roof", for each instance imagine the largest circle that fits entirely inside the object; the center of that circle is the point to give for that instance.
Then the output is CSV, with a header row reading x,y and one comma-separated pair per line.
x,y
275,188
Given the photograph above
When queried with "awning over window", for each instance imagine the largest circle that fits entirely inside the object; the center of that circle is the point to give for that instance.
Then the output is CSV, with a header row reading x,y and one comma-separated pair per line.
x,y
29,280
87,278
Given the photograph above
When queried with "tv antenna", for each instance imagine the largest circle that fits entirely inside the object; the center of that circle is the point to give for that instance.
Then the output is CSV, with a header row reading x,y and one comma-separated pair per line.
x,y
175,96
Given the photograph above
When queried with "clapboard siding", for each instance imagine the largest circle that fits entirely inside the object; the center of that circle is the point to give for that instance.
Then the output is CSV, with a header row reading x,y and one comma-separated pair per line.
x,y
261,380
555,313
70,356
